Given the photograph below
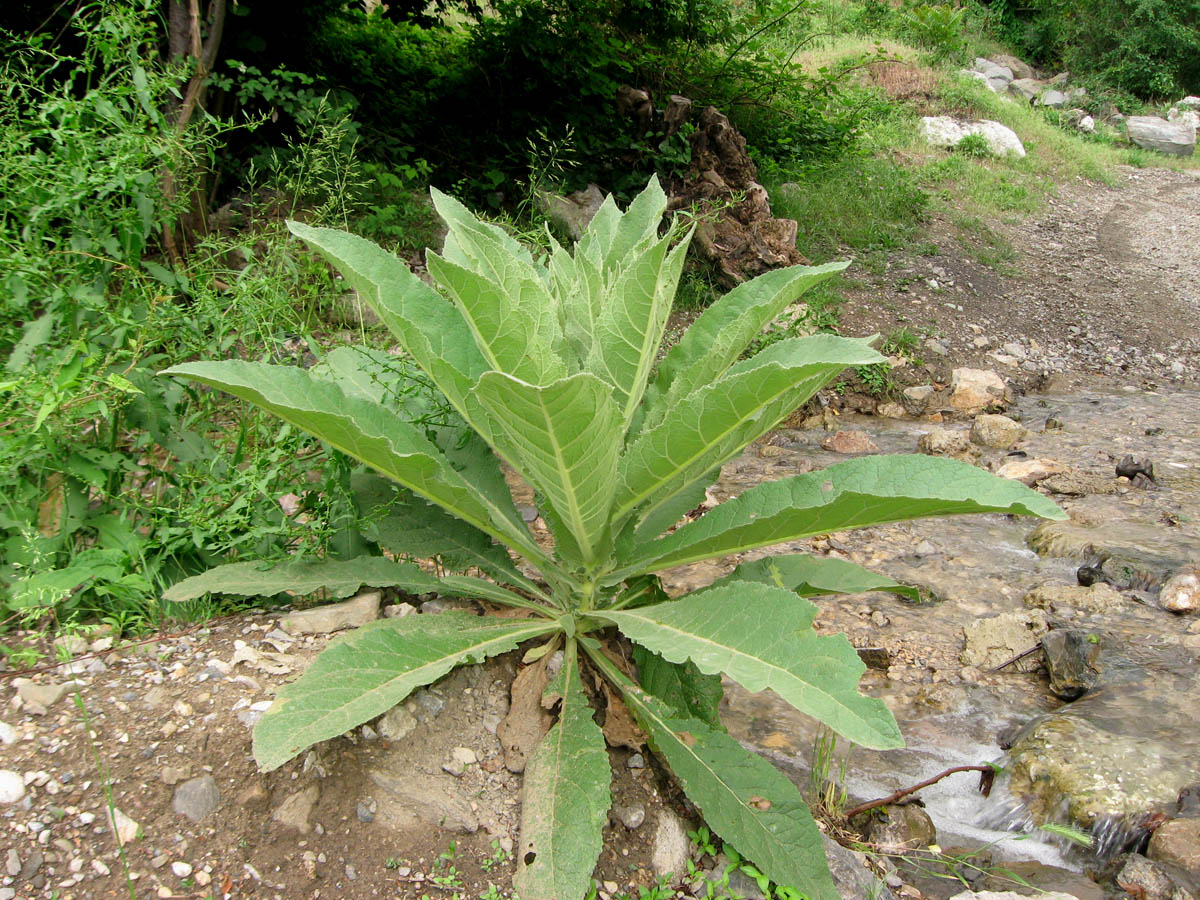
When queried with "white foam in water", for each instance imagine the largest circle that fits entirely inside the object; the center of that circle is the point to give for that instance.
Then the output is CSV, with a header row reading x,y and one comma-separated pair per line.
x,y
963,815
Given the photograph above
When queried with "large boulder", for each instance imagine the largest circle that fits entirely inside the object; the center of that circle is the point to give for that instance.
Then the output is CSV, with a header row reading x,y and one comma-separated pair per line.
x,y
1017,67
1153,133
946,132
1028,89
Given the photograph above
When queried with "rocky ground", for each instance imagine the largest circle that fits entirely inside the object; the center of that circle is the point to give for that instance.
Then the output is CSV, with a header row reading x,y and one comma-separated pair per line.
x,y
1103,282
421,803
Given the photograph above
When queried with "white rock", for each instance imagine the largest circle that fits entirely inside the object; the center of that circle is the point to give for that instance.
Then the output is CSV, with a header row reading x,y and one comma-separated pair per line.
x,y
1184,117
126,829
181,869
1189,103
1181,593
1153,133
12,786
946,132
671,847
973,389
8,734
1087,125
323,619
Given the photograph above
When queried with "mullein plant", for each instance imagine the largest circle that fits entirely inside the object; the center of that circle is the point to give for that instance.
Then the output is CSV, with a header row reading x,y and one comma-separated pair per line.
x,y
552,365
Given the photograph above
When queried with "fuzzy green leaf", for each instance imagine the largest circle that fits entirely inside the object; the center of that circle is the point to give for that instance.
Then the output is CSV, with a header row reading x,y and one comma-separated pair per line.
x,y
565,798
565,439
630,325
712,424
768,643
365,673
811,576
404,524
432,330
743,798
372,434
717,338
681,686
872,490
336,577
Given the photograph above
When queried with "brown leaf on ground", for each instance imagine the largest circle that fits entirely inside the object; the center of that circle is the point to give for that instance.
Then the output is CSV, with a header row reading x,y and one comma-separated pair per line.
x,y
620,730
527,722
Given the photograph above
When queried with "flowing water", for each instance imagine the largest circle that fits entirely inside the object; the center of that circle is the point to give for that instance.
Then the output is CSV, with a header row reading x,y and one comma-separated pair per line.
x,y
1106,761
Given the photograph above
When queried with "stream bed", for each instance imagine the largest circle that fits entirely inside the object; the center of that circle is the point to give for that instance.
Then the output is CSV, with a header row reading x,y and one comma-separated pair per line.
x,y
1107,762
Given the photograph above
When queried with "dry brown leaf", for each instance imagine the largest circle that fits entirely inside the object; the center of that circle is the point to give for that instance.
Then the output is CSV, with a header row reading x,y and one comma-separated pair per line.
x,y
527,722
620,730
52,507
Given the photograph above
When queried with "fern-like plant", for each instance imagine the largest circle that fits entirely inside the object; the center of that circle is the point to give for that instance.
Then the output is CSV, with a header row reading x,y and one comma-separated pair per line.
x,y
553,367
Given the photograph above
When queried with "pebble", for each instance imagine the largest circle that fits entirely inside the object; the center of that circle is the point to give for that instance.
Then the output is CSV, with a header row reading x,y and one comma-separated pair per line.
x,y
631,816
197,798
8,734
636,761
181,869
12,863
127,830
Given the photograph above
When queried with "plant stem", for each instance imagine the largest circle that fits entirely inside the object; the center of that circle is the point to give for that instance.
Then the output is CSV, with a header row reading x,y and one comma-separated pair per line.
x,y
892,798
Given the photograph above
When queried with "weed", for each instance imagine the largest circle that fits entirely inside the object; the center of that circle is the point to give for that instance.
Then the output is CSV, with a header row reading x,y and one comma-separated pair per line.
x,y
974,145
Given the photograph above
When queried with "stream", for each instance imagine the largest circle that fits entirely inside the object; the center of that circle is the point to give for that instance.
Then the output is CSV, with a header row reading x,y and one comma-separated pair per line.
x,y
1105,762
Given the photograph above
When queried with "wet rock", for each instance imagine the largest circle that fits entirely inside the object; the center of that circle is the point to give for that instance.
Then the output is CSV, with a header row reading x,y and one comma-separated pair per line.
x,y
1098,597
1181,593
1039,878
1131,468
1071,659
849,442
1062,759
295,810
1075,483
671,849
996,431
949,443
1177,843
891,410
572,212
973,390
946,132
416,799
39,696
325,619
898,829
1030,471
1011,895
12,786
991,642
1130,553
916,398
197,798
1146,880
1153,133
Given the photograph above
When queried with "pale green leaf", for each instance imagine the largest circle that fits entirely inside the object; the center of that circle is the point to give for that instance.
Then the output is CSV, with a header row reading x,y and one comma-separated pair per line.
x,y
479,245
514,324
564,439
872,490
565,798
742,797
336,577
363,674
404,524
811,576
722,332
630,327
638,225
682,686
761,636
369,433
715,422
429,327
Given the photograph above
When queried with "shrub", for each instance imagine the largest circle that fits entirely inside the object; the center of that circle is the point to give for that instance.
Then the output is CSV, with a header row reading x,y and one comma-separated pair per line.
x,y
553,366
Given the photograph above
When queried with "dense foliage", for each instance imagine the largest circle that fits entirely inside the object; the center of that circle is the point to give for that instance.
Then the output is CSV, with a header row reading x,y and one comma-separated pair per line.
x,y
1150,48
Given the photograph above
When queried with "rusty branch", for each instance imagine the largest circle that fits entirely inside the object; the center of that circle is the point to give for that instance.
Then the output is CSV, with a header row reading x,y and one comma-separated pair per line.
x,y
875,804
